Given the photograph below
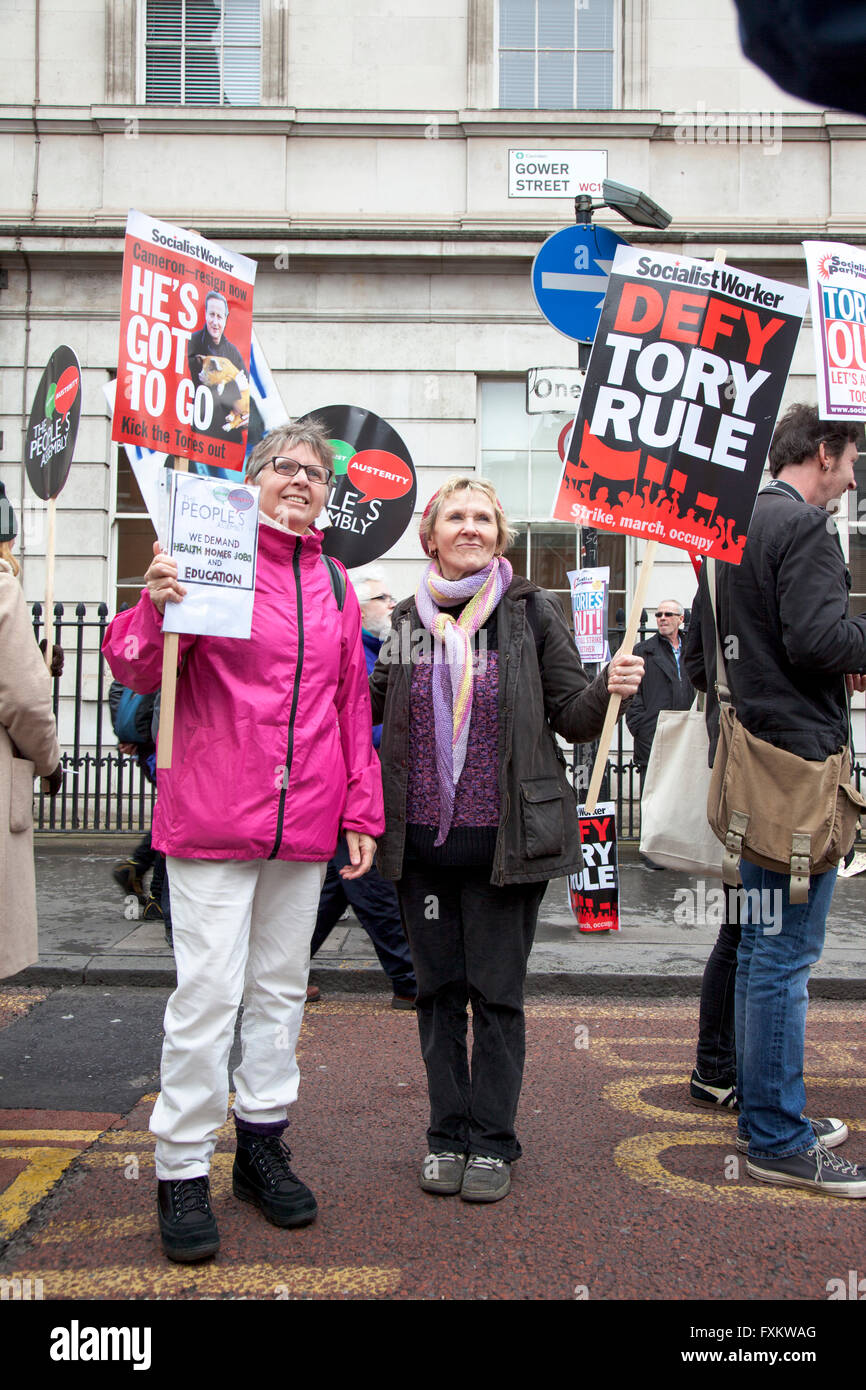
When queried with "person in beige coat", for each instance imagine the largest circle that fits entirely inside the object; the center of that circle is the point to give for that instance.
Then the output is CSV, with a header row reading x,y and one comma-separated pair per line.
x,y
28,747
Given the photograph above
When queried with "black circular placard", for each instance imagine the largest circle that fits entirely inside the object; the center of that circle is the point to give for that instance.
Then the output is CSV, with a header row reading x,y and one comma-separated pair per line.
x,y
373,496
53,424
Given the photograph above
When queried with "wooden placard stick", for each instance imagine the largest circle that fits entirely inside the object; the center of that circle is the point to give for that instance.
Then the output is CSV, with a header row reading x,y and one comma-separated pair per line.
x,y
169,679
616,700
49,581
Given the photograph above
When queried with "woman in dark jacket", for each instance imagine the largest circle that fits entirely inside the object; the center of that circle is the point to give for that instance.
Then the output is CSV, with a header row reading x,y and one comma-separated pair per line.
x,y
478,673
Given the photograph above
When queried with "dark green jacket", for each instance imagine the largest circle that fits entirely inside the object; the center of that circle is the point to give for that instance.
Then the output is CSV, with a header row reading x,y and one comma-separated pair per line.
x,y
542,687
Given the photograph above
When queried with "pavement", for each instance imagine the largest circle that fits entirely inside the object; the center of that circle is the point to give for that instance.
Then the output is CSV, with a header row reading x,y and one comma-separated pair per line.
x,y
625,1190
89,934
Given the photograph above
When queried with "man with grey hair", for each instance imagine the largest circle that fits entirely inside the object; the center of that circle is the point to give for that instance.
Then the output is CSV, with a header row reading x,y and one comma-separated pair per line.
x,y
373,898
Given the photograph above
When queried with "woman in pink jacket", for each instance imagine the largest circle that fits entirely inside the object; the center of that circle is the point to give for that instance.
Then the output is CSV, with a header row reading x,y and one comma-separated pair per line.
x,y
272,758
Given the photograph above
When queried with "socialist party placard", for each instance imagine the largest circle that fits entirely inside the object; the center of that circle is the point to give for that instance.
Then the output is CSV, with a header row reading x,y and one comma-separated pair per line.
x,y
837,281
682,392
184,356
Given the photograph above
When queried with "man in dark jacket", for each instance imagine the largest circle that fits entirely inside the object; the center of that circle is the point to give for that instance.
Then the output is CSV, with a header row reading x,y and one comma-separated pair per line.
x,y
789,649
665,684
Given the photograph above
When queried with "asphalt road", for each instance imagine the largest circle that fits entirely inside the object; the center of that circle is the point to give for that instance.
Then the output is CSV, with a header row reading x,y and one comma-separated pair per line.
x,y
625,1190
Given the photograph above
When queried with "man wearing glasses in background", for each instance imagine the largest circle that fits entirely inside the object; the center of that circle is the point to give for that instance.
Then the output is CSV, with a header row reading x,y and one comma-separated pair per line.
x,y
664,686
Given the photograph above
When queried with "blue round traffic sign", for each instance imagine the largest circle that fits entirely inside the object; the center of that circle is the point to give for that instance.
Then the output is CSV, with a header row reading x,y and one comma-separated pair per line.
x,y
570,275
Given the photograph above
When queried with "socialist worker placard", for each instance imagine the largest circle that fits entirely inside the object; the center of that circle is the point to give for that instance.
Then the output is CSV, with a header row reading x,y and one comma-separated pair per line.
x,y
184,357
682,391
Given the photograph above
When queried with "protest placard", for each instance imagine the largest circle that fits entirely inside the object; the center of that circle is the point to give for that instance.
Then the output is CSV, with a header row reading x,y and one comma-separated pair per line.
x,y
837,283
212,534
682,392
184,355
49,445
589,609
594,892
373,497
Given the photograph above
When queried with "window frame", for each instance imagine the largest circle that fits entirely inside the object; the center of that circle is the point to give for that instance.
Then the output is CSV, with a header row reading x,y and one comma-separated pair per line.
x,y
265,75
617,66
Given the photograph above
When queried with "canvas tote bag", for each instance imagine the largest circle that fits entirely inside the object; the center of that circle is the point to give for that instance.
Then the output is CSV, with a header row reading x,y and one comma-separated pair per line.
x,y
673,818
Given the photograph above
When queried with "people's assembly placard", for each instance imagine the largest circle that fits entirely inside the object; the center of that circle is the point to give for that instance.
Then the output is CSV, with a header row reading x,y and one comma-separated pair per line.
x,y
184,357
682,392
837,281
373,496
212,532
53,425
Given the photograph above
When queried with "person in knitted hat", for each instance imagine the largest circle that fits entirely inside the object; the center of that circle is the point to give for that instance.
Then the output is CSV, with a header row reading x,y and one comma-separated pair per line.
x,y
479,674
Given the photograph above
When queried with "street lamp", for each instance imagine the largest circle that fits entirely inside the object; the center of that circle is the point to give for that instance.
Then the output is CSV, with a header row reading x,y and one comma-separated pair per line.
x,y
631,203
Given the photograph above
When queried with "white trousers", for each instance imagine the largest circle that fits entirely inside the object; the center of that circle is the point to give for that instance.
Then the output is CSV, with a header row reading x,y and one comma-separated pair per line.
x,y
242,930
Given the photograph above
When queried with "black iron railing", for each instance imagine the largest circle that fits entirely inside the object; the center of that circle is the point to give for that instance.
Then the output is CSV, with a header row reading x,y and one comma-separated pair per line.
x,y
106,792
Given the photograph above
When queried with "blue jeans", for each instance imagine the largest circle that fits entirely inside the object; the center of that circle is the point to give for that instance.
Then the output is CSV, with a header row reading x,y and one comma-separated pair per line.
x,y
778,944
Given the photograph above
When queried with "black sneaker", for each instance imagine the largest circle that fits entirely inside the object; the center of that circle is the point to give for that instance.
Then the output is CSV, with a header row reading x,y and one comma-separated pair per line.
x,y
186,1222
831,1133
717,1094
151,912
817,1168
262,1175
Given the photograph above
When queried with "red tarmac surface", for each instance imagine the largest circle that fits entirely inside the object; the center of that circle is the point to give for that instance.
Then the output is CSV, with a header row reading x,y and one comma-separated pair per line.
x,y
625,1190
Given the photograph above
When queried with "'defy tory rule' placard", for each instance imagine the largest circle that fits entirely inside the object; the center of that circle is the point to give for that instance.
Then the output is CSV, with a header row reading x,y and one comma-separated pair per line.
x,y
682,392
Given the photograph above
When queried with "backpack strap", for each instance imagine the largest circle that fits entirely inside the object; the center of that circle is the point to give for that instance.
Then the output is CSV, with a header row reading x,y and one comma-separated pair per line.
x,y
338,580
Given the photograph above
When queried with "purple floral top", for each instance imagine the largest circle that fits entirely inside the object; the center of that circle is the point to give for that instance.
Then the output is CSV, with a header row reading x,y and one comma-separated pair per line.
x,y
476,799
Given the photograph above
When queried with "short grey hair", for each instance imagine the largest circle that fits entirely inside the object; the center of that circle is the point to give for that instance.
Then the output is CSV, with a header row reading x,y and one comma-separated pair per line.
x,y
369,584
312,432
215,294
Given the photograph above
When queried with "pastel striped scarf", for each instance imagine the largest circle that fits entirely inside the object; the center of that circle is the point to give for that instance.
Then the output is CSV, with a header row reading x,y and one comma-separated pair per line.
x,y
453,681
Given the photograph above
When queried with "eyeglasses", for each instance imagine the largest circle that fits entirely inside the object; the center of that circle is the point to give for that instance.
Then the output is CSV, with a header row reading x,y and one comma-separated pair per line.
x,y
382,598
316,472
663,613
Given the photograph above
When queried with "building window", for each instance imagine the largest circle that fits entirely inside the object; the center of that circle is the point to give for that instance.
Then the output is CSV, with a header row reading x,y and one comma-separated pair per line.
x,y
203,52
556,55
520,457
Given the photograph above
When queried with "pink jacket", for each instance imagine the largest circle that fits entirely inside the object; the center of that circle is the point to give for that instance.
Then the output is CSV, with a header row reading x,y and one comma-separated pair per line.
x,y
273,753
